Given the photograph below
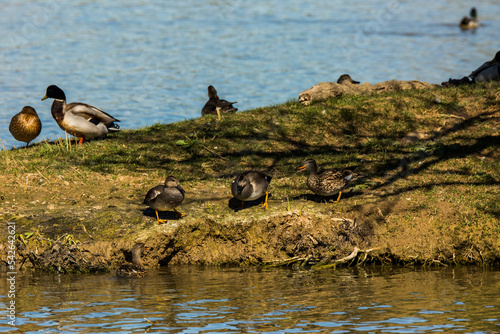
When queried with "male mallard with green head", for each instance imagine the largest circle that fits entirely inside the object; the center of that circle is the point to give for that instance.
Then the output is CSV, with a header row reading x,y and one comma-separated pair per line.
x,y
470,22
166,197
136,268
327,182
216,106
489,71
251,185
79,119
25,125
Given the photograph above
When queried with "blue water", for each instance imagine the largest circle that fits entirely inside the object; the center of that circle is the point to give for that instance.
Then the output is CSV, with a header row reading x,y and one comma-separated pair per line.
x,y
146,62
232,300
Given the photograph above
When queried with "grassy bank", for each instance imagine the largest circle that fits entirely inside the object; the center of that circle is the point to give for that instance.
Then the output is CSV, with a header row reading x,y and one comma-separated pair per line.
x,y
430,195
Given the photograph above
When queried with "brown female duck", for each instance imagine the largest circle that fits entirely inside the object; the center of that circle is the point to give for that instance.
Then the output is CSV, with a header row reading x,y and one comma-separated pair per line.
x,y
25,125
327,182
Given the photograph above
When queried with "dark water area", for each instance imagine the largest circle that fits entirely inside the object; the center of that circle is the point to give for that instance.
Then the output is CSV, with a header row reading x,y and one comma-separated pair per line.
x,y
252,300
148,62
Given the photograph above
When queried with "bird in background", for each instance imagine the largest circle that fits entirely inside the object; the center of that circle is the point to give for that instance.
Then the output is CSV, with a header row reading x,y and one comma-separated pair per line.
x,y
217,106
346,78
470,22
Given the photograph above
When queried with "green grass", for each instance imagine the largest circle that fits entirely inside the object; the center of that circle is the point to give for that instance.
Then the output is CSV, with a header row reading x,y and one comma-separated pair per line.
x,y
444,186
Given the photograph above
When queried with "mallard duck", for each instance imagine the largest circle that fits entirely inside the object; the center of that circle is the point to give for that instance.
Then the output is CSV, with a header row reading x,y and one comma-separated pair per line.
x,y
327,182
251,185
489,71
165,197
136,268
79,119
25,125
346,78
470,22
217,106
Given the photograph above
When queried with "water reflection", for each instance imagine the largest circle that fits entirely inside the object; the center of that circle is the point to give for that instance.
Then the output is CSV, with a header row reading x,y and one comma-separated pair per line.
x,y
195,300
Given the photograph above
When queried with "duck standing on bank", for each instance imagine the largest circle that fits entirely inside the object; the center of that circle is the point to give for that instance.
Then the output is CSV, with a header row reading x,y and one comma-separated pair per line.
x,y
217,106
489,71
166,197
470,22
327,182
251,185
25,125
79,119
136,268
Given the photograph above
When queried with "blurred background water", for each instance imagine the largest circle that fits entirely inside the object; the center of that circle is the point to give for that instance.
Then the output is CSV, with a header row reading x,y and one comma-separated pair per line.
x,y
250,300
151,61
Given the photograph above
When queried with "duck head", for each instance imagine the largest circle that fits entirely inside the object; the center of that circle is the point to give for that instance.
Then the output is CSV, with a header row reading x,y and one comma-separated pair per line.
x,y
54,92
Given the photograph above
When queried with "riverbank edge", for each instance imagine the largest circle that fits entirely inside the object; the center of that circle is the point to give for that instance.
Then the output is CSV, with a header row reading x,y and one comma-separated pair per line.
x,y
301,229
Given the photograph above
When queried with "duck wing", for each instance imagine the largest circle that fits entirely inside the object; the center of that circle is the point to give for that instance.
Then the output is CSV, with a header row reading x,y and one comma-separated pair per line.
x,y
89,112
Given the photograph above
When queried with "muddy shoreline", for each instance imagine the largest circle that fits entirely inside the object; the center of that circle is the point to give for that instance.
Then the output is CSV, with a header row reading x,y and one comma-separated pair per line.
x,y
430,197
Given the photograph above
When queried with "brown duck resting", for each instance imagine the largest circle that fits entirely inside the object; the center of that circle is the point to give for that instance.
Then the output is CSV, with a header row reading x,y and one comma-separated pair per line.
x,y
327,182
217,106
251,185
26,125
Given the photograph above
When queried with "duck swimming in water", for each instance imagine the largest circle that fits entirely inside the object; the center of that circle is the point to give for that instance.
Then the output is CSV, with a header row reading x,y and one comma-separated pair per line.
x,y
25,125
327,182
217,106
79,119
470,22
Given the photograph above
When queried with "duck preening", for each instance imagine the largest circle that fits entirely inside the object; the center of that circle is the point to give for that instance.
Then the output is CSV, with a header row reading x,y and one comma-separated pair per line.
x,y
217,106
166,197
251,185
136,268
79,119
327,182
25,125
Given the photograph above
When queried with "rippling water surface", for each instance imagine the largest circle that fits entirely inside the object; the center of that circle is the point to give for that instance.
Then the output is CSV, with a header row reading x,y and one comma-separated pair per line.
x,y
196,300
151,61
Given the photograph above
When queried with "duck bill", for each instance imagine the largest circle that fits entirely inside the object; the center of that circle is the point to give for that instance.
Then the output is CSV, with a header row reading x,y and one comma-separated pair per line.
x,y
301,168
45,97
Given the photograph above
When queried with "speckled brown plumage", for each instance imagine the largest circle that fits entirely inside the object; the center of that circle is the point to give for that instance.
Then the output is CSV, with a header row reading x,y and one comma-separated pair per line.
x,y
25,126
327,182
217,106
